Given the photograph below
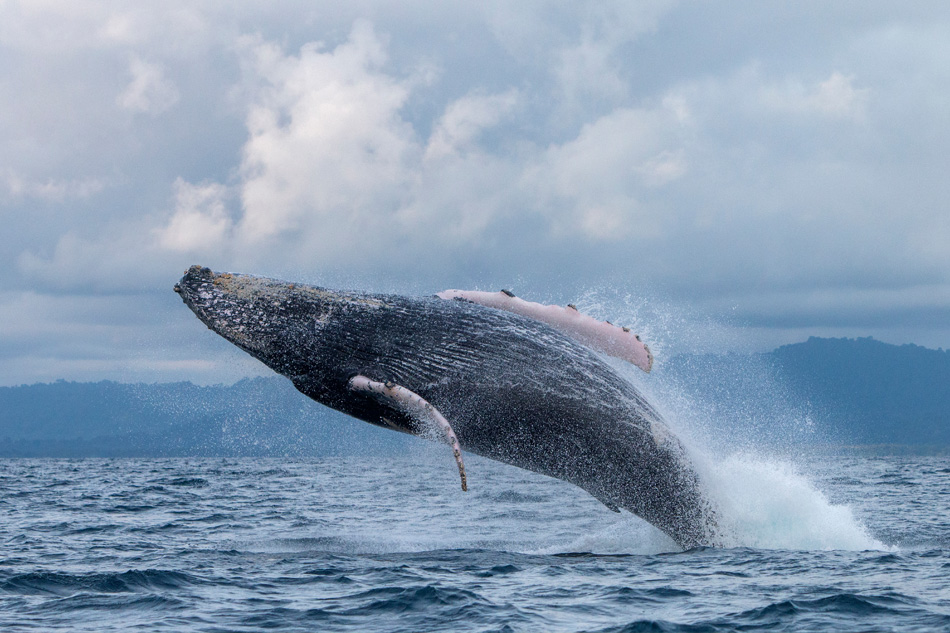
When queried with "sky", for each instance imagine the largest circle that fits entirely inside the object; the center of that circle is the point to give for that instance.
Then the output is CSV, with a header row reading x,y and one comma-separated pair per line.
x,y
720,176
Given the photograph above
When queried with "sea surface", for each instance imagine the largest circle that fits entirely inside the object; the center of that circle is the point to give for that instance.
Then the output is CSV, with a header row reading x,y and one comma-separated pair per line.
x,y
392,544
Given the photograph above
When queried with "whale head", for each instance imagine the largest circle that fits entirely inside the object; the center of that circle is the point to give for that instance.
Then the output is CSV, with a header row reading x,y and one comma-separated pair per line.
x,y
277,322
319,338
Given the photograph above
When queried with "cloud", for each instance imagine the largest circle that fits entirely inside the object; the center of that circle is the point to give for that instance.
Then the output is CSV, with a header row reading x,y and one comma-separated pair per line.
x,y
332,170
464,119
60,27
660,147
586,71
128,337
593,183
326,144
105,263
52,190
834,97
201,220
150,91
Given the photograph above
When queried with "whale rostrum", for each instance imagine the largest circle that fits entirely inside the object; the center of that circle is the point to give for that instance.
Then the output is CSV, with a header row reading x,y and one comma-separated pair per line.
x,y
488,374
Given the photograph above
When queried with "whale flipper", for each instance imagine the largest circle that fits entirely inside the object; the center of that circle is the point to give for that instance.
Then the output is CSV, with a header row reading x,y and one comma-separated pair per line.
x,y
415,406
602,335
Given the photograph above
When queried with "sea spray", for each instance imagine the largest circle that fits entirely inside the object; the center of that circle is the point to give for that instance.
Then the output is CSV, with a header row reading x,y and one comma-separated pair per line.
x,y
762,503
745,433
770,504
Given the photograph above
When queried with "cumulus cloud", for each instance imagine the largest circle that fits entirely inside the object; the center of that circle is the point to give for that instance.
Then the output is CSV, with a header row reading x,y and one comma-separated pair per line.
x,y
596,179
464,119
331,167
200,221
325,142
799,172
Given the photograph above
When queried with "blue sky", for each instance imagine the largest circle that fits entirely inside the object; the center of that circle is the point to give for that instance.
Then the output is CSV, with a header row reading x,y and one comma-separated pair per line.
x,y
720,176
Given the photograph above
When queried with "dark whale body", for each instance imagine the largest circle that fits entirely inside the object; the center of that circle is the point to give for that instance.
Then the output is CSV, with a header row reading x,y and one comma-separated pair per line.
x,y
512,388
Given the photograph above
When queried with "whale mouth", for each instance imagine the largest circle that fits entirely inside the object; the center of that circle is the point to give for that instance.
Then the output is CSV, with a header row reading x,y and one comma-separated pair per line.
x,y
194,278
256,313
197,289
226,308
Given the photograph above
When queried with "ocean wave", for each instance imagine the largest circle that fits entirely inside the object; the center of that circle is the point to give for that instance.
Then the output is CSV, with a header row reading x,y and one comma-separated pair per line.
x,y
64,584
328,551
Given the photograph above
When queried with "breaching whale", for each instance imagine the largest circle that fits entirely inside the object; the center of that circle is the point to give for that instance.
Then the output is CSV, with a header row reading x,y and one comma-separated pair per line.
x,y
512,382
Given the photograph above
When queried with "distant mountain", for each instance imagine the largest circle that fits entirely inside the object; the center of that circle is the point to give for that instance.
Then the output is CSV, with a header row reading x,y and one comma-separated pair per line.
x,y
261,416
884,393
843,391
822,391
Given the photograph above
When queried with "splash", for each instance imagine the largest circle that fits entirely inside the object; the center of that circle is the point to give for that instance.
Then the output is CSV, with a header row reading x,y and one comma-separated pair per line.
x,y
768,504
763,503
746,434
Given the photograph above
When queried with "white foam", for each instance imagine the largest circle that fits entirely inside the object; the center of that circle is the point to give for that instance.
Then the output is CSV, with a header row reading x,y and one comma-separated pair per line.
x,y
764,502
628,534
768,504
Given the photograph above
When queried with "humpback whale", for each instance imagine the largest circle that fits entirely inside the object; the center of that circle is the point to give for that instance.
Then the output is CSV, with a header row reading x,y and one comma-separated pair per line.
x,y
509,380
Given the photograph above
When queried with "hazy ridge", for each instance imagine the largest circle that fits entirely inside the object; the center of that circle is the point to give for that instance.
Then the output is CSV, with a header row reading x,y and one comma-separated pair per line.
x,y
855,392
851,391
259,416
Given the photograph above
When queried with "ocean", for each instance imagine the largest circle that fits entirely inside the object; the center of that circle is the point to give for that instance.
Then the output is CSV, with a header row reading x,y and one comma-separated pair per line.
x,y
392,544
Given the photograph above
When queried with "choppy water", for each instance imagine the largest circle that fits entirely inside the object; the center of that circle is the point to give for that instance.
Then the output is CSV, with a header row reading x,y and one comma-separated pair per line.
x,y
394,545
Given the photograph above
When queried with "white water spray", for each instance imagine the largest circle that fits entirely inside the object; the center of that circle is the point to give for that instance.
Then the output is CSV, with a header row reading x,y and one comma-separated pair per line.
x,y
763,500
767,503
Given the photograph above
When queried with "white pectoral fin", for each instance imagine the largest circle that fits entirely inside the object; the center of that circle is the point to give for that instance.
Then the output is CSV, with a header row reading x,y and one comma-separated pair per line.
x,y
609,338
416,406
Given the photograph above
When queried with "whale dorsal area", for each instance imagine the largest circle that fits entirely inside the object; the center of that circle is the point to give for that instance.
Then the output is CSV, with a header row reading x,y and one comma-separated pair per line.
x,y
611,339
415,406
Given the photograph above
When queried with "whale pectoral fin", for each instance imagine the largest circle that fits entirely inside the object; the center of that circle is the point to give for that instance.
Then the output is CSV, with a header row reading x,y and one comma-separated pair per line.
x,y
416,406
609,338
